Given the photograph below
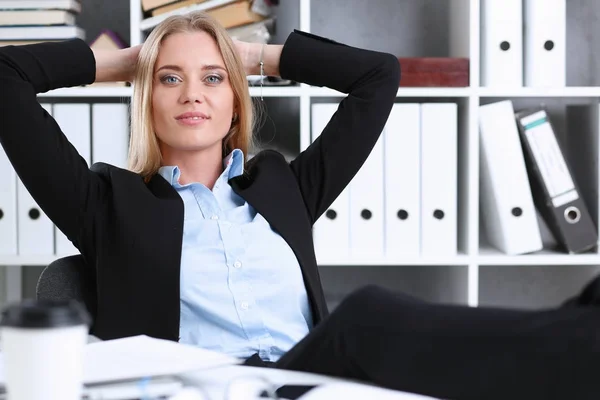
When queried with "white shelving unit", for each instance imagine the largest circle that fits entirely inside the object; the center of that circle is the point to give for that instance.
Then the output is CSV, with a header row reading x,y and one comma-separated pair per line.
x,y
472,257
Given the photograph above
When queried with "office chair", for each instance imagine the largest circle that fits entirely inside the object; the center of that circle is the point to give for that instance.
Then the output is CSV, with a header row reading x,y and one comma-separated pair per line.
x,y
68,278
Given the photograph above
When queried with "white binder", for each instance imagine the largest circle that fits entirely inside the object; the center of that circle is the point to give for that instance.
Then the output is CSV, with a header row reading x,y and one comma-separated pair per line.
x,y
331,231
35,231
502,43
509,217
366,207
545,37
110,133
439,133
74,120
8,206
402,172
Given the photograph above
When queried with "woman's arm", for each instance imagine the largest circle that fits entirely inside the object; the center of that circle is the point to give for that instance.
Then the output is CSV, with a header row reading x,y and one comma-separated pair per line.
x,y
51,169
252,53
370,79
116,65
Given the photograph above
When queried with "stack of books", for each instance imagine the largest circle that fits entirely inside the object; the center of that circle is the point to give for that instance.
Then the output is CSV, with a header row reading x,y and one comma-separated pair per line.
x,y
32,21
246,20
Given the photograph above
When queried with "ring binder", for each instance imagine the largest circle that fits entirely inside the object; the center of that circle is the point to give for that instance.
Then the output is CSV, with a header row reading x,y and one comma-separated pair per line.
x,y
554,190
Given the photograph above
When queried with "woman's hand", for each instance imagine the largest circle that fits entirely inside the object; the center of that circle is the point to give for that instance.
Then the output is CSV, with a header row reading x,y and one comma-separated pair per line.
x,y
116,65
250,54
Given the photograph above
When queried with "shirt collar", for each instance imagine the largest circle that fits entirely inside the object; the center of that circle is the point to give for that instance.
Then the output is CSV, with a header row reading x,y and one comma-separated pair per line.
x,y
233,165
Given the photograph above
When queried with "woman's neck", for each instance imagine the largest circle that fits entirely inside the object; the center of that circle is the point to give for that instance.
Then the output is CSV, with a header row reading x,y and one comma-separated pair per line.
x,y
203,166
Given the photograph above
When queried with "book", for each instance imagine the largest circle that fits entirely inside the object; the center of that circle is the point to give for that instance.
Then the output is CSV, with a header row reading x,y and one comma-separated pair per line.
x,y
434,72
148,5
36,17
22,42
229,13
174,5
69,5
41,32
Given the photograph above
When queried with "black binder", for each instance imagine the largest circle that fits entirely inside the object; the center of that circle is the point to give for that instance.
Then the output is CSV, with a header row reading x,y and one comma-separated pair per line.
x,y
554,190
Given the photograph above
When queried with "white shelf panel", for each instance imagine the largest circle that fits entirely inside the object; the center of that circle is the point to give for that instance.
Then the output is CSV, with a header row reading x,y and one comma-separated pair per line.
x,y
539,92
275,91
460,260
90,91
27,260
295,91
545,257
402,92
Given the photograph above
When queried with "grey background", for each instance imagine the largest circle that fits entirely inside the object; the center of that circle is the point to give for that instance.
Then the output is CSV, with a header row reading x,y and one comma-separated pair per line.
x,y
410,28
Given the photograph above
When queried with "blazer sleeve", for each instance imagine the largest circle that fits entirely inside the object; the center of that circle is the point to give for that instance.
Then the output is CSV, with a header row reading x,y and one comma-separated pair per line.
x,y
370,79
51,169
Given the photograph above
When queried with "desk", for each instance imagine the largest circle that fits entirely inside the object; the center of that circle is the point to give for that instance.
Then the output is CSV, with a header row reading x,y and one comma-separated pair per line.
x,y
214,381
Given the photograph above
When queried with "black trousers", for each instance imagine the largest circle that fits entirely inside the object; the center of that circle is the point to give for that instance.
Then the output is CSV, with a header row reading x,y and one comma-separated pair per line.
x,y
455,352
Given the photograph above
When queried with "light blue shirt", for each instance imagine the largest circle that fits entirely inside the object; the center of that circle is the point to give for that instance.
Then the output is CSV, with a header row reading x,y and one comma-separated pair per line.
x,y
242,290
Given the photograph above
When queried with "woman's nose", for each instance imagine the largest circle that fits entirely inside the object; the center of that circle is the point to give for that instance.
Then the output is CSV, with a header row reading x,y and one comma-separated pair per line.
x,y
192,93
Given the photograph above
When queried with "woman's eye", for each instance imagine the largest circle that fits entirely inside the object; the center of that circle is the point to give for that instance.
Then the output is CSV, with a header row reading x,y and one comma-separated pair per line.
x,y
214,79
170,79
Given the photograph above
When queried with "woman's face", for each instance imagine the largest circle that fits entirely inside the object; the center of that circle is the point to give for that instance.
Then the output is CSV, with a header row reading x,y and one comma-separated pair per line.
x,y
192,99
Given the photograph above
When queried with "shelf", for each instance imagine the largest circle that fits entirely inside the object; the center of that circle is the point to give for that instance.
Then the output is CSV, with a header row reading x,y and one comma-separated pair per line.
x,y
40,260
86,92
275,91
459,259
488,256
89,91
402,92
539,92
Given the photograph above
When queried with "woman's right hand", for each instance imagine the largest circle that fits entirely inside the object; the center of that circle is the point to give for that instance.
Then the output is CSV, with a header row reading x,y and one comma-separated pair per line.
x,y
116,65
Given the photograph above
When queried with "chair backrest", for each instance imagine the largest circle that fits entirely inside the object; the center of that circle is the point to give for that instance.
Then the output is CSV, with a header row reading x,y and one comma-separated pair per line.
x,y
68,278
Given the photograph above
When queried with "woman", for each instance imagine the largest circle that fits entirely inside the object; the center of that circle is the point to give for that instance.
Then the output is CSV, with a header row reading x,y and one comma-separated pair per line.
x,y
197,243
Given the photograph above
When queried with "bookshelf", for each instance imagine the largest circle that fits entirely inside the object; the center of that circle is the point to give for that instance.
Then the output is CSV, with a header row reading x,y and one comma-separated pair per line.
x,y
477,274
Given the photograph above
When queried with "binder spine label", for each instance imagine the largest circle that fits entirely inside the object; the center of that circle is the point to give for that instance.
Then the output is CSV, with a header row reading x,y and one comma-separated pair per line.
x,y
549,158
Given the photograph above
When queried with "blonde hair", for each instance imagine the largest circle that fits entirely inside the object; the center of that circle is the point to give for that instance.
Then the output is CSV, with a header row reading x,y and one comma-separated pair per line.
x,y
144,152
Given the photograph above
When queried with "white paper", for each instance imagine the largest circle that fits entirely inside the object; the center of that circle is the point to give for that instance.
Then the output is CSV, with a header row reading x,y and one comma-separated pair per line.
x,y
350,390
142,356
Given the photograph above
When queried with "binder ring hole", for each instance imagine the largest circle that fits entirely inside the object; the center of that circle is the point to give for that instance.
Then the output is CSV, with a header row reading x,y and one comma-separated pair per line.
x,y
504,45
438,214
366,214
549,45
402,214
572,215
34,213
331,214
517,211
1,213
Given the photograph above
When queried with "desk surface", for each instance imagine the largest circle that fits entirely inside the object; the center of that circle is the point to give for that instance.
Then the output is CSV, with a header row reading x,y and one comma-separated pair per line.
x,y
215,381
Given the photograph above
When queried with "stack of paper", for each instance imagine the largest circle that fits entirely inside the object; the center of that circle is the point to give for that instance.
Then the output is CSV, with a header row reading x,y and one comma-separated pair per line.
x,y
141,356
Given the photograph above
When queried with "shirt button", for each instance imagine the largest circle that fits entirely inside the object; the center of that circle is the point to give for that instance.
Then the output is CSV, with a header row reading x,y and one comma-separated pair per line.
x,y
237,264
215,217
244,305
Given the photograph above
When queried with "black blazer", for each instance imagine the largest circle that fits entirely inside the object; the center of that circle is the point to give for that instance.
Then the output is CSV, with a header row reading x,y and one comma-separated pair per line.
x,y
129,231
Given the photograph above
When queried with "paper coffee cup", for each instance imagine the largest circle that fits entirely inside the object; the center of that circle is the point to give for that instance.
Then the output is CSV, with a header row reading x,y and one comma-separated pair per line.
x,y
42,348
